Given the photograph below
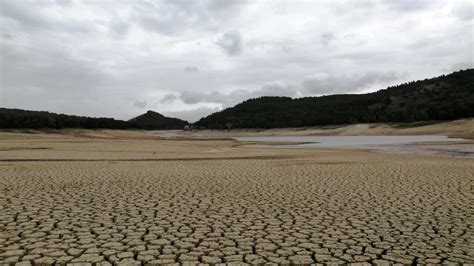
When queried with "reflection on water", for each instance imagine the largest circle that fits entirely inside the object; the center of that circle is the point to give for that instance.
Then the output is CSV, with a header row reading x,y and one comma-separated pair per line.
x,y
349,141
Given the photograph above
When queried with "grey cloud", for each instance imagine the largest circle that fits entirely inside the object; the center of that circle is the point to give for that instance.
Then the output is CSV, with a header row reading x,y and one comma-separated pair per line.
x,y
399,6
314,85
350,6
32,17
327,37
140,104
190,97
172,17
166,17
323,83
152,23
277,89
191,69
64,2
225,99
7,36
461,66
225,5
93,58
168,98
119,28
408,5
236,96
193,115
18,11
464,10
231,43
50,70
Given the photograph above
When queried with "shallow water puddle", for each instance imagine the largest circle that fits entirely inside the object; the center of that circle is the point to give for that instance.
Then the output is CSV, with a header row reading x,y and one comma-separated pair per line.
x,y
429,144
349,141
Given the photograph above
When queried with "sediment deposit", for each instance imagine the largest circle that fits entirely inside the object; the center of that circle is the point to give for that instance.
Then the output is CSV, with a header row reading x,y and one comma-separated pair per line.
x,y
80,199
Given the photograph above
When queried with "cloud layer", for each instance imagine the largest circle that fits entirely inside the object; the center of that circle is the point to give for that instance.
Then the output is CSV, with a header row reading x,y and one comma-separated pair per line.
x,y
231,43
191,58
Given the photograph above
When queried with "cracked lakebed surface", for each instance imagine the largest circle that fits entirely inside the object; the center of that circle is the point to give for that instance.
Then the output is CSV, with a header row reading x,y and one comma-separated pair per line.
x,y
103,201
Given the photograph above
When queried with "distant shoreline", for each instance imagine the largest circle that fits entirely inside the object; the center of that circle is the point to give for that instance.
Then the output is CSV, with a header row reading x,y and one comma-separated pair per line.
x,y
463,128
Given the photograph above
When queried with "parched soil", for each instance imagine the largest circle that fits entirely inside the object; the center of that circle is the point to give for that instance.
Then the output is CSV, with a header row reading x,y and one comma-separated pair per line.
x,y
72,199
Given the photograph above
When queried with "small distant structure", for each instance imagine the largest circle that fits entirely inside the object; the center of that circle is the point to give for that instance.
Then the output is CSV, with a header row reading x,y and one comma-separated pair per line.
x,y
188,127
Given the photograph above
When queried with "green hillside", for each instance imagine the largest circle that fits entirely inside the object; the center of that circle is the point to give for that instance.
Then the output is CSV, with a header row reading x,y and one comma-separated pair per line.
x,y
16,118
154,120
442,98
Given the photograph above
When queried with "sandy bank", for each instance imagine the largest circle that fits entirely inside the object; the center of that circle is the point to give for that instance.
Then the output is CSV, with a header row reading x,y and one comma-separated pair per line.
x,y
459,128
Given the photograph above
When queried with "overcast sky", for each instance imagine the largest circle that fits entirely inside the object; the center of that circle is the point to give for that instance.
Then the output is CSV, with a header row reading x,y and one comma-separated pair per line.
x,y
191,58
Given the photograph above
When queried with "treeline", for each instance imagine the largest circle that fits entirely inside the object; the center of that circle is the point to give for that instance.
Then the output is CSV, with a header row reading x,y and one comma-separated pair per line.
x,y
18,119
442,98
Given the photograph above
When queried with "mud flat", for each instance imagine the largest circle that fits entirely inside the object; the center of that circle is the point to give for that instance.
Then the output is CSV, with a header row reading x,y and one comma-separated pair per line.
x,y
418,144
115,197
463,128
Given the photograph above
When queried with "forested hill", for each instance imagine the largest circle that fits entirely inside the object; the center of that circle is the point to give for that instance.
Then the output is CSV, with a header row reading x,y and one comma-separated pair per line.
x,y
16,118
153,120
442,98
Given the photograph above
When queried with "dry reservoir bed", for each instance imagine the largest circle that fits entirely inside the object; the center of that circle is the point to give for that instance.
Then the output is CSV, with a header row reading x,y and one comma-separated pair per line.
x,y
70,199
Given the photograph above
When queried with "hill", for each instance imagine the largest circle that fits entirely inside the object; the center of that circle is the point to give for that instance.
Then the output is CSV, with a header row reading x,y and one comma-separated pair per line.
x,y
445,97
154,120
17,118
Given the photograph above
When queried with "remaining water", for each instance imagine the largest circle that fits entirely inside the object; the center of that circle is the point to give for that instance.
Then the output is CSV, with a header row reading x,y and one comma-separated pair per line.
x,y
349,141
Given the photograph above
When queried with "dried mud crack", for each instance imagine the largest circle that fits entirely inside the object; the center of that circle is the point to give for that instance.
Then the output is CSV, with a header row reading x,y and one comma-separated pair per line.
x,y
148,160
237,206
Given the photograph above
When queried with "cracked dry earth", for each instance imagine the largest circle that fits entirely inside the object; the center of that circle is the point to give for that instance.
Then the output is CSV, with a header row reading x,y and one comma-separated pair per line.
x,y
82,201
